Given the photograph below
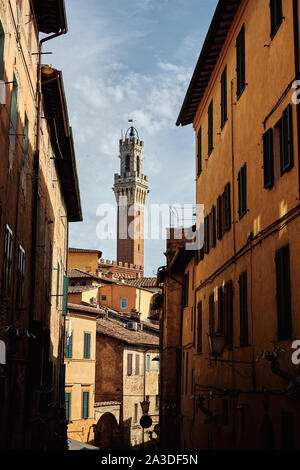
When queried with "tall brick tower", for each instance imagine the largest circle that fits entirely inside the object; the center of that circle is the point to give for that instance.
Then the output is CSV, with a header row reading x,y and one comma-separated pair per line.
x,y
131,189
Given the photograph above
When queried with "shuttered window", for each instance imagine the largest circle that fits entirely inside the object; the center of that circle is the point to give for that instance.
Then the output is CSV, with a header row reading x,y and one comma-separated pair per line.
x,y
50,267
20,276
199,152
268,159
87,345
224,98
283,293
68,406
243,310
7,261
85,404
210,128
25,145
206,234
220,310
137,364
211,313
242,188
240,62
276,16
227,207
13,113
219,218
228,297
287,139
213,237
129,364
65,296
199,327
69,347
186,289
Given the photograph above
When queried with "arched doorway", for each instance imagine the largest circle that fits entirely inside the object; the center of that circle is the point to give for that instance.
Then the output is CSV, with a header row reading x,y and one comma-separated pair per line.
x,y
107,435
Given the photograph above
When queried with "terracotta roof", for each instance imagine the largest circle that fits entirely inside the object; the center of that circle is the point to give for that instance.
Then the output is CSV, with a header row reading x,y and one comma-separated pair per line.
x,y
79,289
80,274
142,282
84,308
213,44
115,329
84,250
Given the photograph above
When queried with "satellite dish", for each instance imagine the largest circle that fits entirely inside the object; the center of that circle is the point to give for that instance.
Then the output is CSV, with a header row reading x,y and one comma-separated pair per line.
x,y
146,421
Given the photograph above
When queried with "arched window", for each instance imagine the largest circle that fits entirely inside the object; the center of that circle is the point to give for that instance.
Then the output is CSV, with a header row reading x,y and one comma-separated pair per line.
x,y
127,163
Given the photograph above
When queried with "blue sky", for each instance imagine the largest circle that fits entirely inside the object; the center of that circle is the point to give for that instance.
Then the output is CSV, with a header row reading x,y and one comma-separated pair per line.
x,y
121,60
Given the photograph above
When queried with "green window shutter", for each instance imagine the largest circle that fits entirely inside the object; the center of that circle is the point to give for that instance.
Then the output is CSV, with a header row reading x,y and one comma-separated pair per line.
x,y
87,345
2,40
65,296
85,405
13,112
57,285
69,346
25,145
68,405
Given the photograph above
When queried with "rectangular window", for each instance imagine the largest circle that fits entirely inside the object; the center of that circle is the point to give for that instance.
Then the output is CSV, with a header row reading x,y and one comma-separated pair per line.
x,y
137,364
243,310
276,16
224,98
186,290
57,285
242,188
147,362
87,346
13,113
129,364
283,293
7,261
287,139
210,128
211,313
212,226
268,159
85,404
20,276
65,296
199,328
227,207
103,297
157,402
219,218
287,431
220,310
68,406
199,151
240,62
123,303
69,347
228,297
206,234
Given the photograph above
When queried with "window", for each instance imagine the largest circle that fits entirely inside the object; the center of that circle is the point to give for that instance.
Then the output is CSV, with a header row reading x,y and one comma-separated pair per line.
x,y
283,293
69,347
123,303
87,345
68,406
243,310
7,261
135,417
2,40
199,151
199,328
211,313
287,431
228,294
50,268
224,98
157,402
186,290
129,364
85,404
240,62
147,362
20,276
276,16
220,310
219,218
138,164
103,297
268,159
287,139
127,163
210,128
157,365
137,364
242,188
57,285
212,226
25,145
13,113
65,296
227,207
206,234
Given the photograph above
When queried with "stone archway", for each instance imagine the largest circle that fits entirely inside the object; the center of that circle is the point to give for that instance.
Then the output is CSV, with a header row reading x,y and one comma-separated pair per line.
x,y
107,435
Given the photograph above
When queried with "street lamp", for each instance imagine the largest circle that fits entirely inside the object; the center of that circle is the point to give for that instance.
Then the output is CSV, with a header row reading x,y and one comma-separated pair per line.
x,y
145,406
216,344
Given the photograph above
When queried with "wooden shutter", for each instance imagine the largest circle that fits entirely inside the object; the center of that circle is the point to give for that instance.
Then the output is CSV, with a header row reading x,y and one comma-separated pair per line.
x,y
57,285
220,310
7,261
243,310
206,234
13,112
242,189
268,159
283,293
199,327
87,345
199,153
227,207
25,144
287,139
219,218
240,59
228,294
275,16
224,97
211,313
65,296
85,405
137,364
213,226
210,128
129,364
68,405
69,346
